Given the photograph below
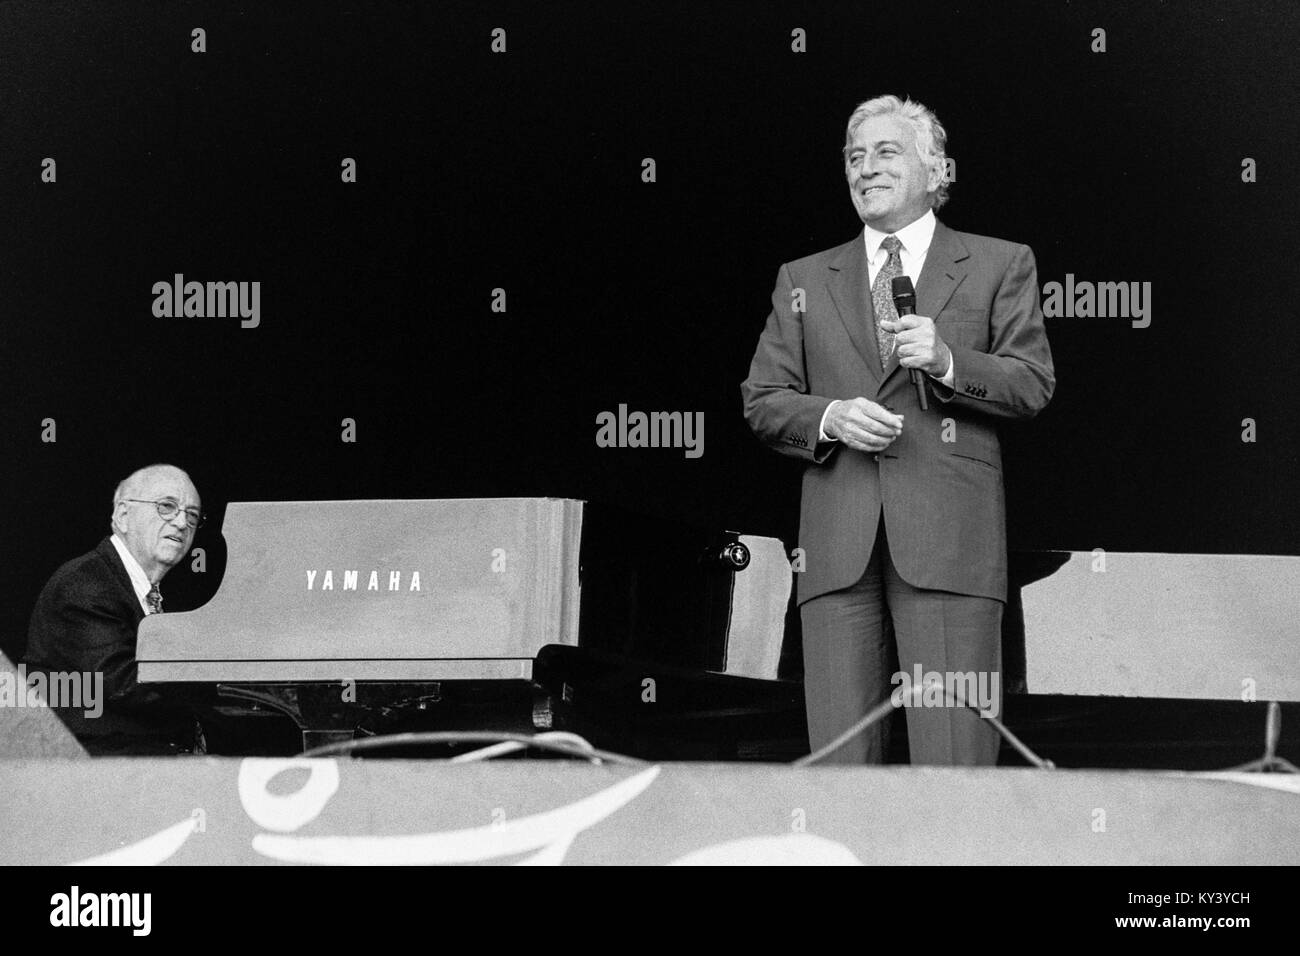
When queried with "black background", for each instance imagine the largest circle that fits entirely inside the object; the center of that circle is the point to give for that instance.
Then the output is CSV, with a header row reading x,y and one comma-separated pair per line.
x,y
522,171
1089,899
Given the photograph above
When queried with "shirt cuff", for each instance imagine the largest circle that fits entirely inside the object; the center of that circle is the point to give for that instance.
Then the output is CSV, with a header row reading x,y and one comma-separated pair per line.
x,y
821,429
948,378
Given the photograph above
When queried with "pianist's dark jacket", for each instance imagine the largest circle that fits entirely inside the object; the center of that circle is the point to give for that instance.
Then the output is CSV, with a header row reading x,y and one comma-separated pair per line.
x,y
85,620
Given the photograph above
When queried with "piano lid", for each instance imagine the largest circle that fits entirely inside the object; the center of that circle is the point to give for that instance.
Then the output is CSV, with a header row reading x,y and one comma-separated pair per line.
x,y
437,589
1134,624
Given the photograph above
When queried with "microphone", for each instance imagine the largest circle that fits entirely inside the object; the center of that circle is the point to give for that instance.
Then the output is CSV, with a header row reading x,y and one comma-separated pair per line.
x,y
905,304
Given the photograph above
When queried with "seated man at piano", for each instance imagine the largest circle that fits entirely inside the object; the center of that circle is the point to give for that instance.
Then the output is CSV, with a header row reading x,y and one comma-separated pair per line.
x,y
85,619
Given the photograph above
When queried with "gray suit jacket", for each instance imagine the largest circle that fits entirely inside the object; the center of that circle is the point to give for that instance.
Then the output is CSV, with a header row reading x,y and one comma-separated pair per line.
x,y
940,483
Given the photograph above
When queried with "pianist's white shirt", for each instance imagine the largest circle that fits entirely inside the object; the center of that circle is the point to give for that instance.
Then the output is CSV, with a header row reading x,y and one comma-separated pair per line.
x,y
139,580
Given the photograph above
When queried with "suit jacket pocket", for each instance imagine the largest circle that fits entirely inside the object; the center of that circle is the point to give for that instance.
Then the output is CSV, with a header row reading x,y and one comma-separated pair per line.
x,y
978,461
958,315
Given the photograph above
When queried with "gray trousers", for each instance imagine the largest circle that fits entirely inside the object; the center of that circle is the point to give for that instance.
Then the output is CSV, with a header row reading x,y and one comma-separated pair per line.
x,y
849,642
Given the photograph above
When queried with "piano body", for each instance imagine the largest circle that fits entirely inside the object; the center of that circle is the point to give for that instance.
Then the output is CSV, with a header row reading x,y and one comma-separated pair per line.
x,y
369,617
650,637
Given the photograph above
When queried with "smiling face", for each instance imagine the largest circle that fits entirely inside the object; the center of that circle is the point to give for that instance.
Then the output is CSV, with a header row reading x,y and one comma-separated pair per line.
x,y
889,183
157,544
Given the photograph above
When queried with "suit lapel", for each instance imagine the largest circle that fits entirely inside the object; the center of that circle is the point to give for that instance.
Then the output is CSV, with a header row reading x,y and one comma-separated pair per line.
x,y
108,554
851,294
943,271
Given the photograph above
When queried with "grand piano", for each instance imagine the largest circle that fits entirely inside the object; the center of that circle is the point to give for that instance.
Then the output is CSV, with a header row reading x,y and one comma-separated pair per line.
x,y
360,618
651,637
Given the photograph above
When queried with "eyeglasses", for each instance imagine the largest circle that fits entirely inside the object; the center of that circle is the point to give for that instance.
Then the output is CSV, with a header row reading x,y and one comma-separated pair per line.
x,y
167,510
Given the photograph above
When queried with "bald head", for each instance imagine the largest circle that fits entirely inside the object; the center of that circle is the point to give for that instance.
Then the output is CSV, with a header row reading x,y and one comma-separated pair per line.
x,y
157,543
142,478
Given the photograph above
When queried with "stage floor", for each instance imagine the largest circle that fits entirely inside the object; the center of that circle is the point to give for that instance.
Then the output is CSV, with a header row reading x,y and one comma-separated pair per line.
x,y
258,810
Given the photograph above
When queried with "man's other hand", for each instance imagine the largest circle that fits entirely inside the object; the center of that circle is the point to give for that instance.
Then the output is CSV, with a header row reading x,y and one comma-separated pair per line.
x,y
862,424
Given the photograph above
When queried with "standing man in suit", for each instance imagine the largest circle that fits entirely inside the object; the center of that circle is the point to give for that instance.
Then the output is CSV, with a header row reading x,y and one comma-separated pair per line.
x,y
902,522
86,617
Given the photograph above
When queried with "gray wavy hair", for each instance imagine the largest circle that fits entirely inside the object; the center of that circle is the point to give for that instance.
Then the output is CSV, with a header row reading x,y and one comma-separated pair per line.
x,y
931,138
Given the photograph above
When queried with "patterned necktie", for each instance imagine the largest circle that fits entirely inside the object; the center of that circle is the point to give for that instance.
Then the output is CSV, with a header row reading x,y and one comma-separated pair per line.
x,y
154,600
882,296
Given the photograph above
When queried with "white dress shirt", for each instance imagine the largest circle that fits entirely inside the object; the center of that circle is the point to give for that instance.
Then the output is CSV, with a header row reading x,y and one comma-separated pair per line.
x,y
915,238
139,580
